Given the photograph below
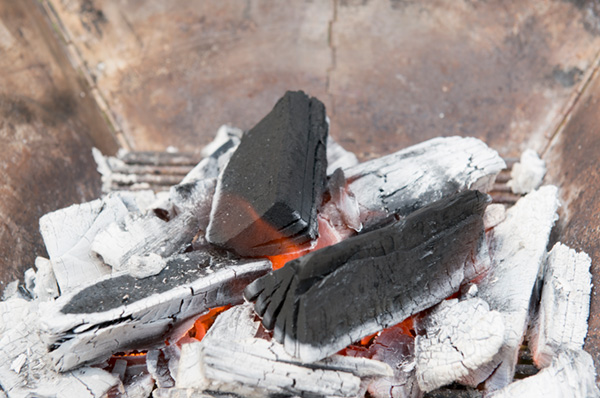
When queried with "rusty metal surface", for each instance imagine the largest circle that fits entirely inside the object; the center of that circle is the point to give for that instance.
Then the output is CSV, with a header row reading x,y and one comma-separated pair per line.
x,y
173,72
391,72
573,162
47,128
503,71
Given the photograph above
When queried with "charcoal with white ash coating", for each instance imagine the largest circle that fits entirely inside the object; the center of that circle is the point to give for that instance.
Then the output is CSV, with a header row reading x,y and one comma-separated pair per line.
x,y
269,191
327,299
121,312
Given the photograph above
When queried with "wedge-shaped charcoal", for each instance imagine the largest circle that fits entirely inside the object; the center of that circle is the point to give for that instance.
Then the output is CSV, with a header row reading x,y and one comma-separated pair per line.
x,y
327,299
571,374
561,322
458,337
231,359
120,312
421,174
274,181
517,247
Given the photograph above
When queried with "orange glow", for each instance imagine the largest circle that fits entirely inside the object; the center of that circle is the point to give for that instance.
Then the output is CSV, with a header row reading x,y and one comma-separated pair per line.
x,y
202,324
327,237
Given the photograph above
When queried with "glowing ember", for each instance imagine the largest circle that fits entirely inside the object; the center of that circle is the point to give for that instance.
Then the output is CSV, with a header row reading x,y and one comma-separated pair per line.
x,y
203,323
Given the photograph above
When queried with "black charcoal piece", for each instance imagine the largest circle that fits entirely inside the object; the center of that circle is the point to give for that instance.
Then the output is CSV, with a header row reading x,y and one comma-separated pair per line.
x,y
267,196
327,299
120,313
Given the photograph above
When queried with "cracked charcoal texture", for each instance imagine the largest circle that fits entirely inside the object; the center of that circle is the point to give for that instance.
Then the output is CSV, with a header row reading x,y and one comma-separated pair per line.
x,y
273,184
329,298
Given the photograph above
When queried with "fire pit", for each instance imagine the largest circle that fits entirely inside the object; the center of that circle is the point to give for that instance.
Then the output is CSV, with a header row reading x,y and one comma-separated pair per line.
x,y
400,277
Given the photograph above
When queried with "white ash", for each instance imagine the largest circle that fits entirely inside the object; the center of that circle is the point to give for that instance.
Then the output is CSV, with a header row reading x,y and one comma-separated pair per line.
x,y
25,370
145,266
231,359
421,174
459,337
517,249
494,215
528,174
224,135
338,157
571,374
561,322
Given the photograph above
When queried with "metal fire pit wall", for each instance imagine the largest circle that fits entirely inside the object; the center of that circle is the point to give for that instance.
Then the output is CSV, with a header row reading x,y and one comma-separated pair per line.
x,y
145,76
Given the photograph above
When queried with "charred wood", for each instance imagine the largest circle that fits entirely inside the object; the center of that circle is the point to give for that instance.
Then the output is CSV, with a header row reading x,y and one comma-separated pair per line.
x,y
327,299
273,184
421,174
571,374
231,359
120,312
457,338
517,248
25,370
561,322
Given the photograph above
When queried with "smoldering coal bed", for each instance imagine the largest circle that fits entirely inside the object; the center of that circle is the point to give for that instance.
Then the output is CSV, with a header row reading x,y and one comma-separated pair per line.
x,y
401,276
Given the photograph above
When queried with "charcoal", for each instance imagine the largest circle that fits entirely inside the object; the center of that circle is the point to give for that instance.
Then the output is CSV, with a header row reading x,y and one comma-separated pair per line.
x,y
327,299
517,247
407,180
120,312
267,196
561,322
231,359
458,337
571,374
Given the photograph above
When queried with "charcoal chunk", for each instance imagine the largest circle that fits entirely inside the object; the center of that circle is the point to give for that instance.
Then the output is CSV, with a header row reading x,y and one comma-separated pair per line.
x,y
327,299
267,196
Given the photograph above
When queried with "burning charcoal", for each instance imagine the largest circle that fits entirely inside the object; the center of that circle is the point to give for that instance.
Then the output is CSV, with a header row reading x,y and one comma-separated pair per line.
x,y
565,304
528,174
571,374
120,312
231,359
268,194
341,211
327,299
421,174
517,249
395,348
458,338
24,371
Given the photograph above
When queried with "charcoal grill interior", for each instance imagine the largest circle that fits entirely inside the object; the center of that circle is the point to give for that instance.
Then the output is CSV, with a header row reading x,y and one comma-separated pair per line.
x,y
85,74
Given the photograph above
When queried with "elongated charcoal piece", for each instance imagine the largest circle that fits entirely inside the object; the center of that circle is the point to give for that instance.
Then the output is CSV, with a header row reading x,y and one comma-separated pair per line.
x,y
274,181
231,359
561,322
421,174
120,312
517,248
327,299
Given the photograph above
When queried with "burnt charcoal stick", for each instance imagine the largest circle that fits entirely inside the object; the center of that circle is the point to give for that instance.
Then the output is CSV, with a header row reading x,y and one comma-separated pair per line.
x,y
274,181
327,299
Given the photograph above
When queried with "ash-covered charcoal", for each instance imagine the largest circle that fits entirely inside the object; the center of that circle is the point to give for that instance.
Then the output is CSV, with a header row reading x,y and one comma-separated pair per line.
x,y
327,299
231,359
456,338
269,192
517,247
421,174
571,374
120,312
25,370
561,322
